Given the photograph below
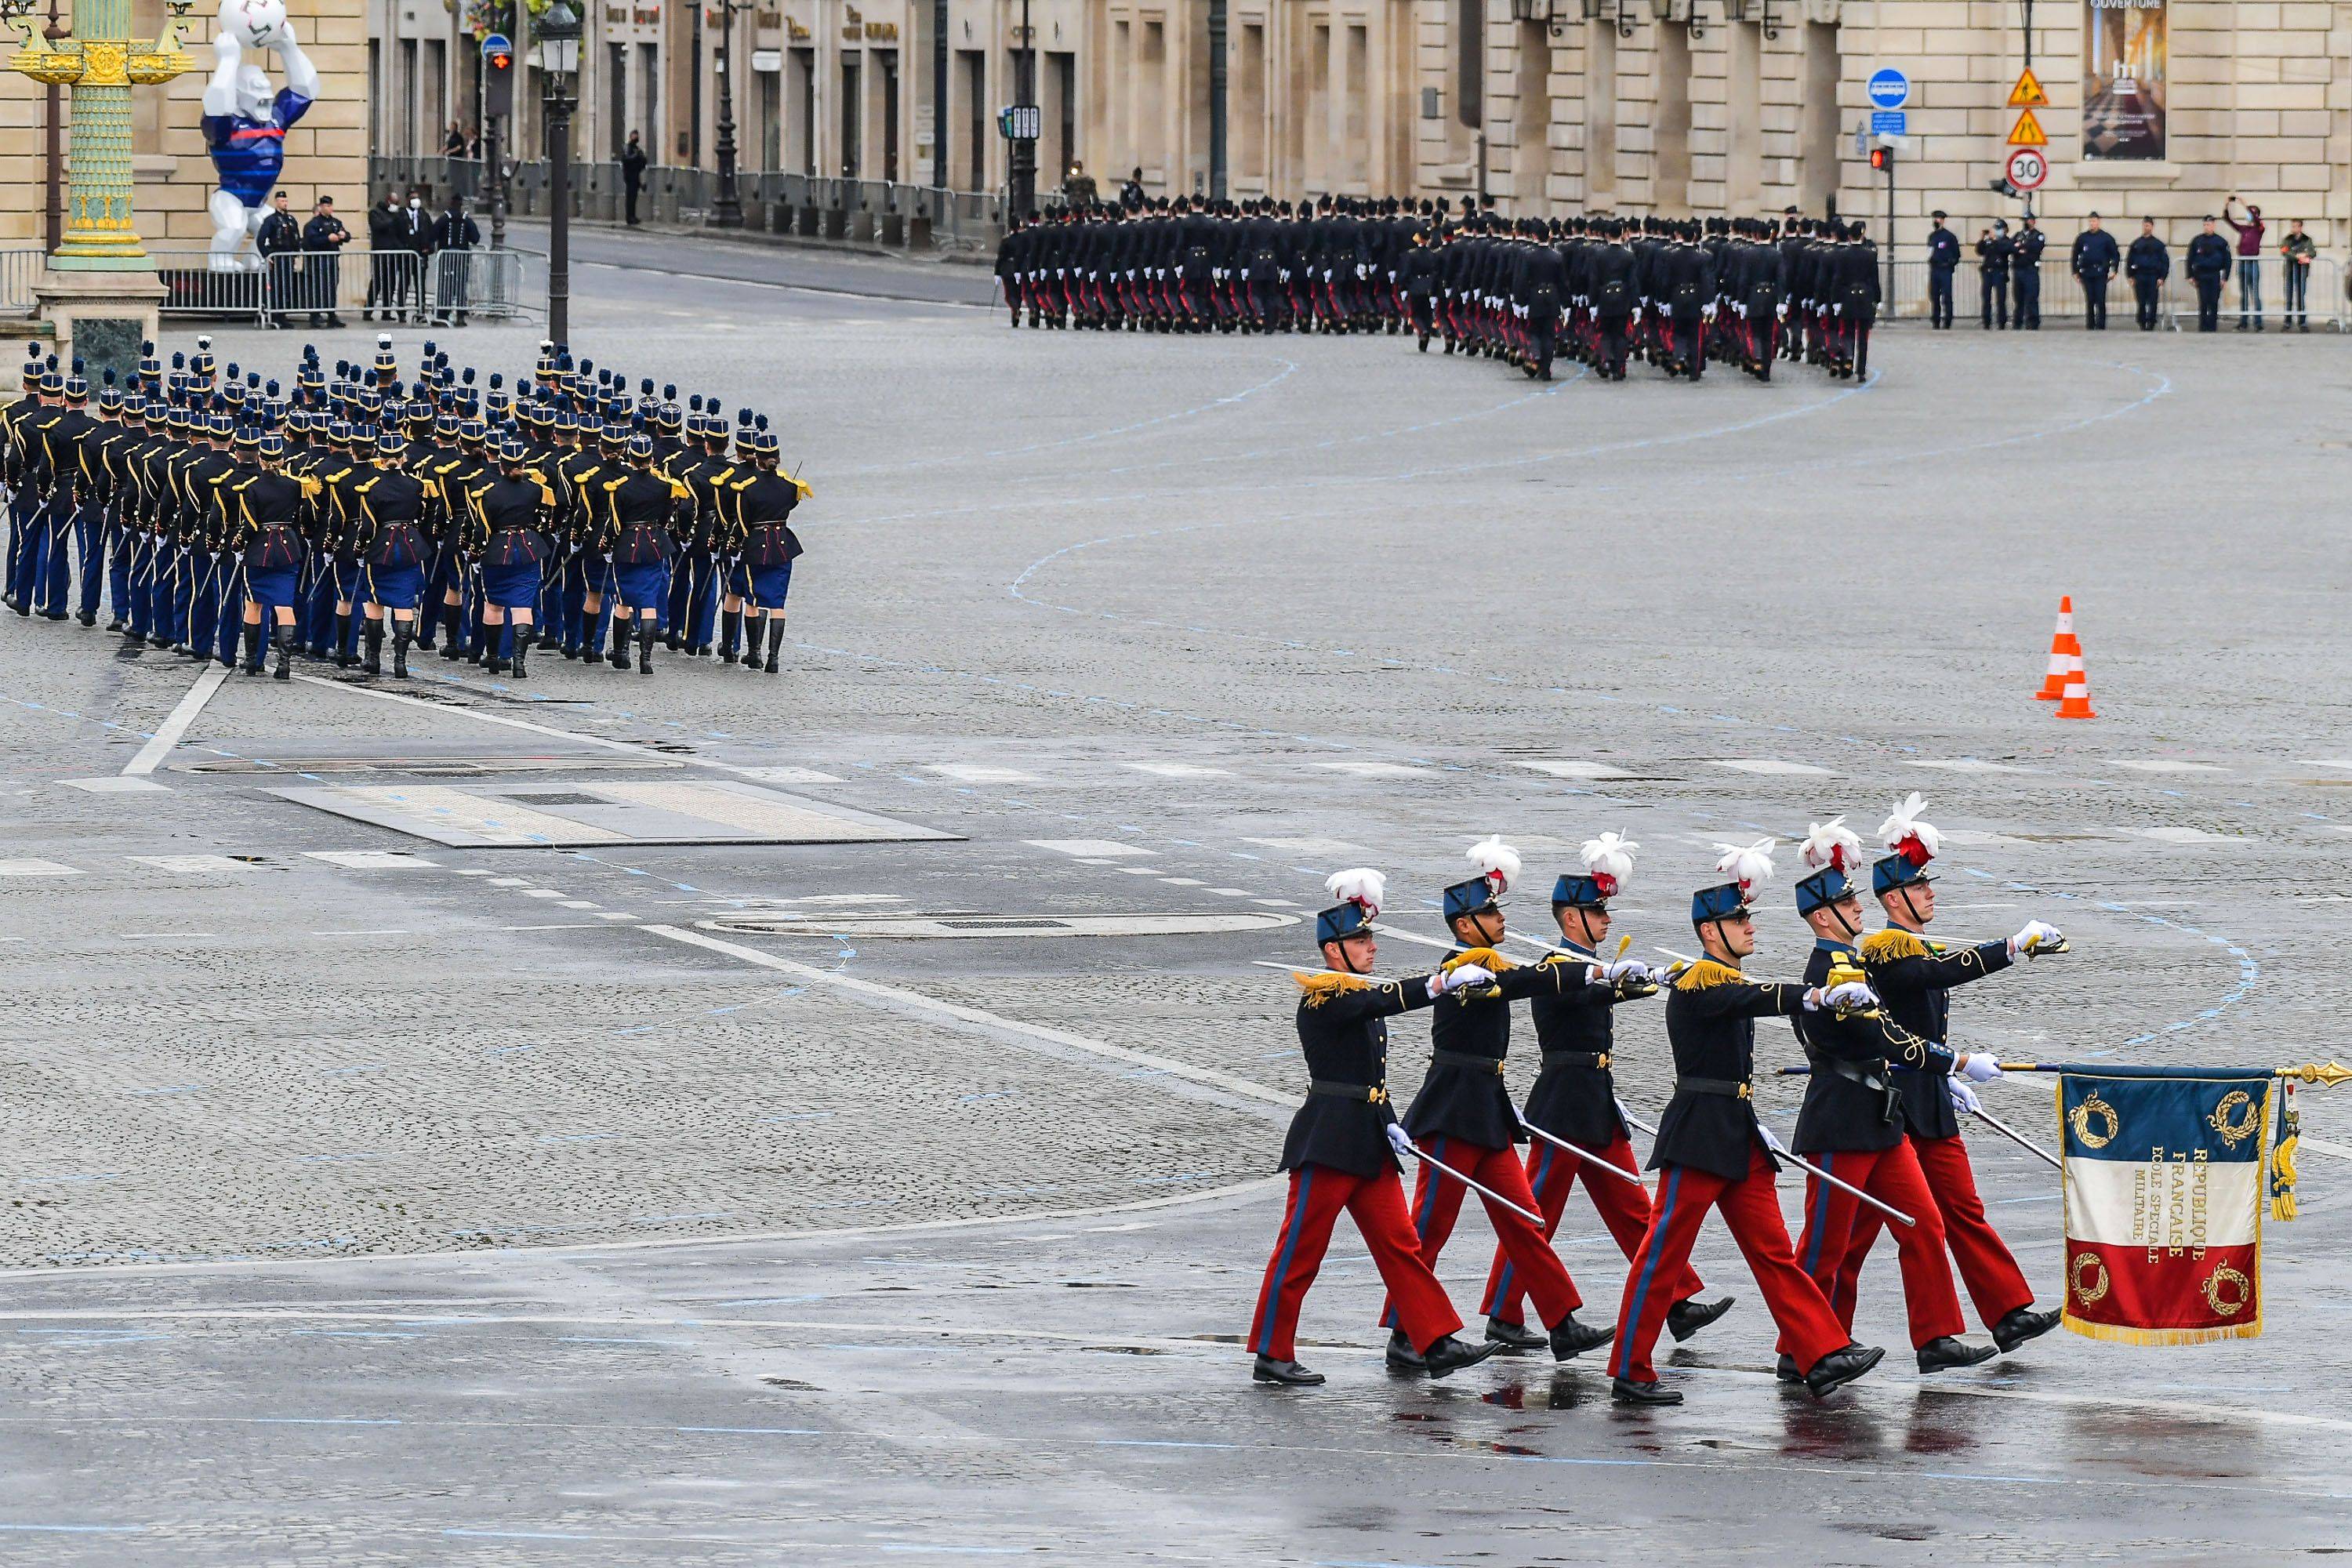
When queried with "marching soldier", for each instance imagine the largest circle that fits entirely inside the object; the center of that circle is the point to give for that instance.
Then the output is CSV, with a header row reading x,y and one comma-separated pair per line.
x,y
1464,1117
509,510
1851,1124
264,508
1575,1097
1344,1143
1712,1151
640,506
396,515
1912,976
757,509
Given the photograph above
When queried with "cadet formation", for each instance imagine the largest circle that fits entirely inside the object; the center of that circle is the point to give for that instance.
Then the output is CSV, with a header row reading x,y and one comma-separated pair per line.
x,y
209,510
1878,1134
1677,294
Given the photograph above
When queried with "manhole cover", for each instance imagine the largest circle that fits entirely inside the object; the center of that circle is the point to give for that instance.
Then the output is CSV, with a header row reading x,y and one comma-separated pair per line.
x,y
787,923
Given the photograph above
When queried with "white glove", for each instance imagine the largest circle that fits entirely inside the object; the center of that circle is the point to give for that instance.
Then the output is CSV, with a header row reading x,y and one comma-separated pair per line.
x,y
1781,311
1964,1098
2031,936
1977,1067
1851,994
1623,969
1454,979
1399,1140
1707,313
1637,313
1837,309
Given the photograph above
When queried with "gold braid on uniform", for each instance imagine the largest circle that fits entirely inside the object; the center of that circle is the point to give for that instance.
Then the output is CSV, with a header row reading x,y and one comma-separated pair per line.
x,y
1706,973
1892,945
1486,958
1321,988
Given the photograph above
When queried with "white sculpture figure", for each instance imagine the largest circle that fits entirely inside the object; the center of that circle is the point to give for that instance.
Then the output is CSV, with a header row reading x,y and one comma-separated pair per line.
x,y
245,125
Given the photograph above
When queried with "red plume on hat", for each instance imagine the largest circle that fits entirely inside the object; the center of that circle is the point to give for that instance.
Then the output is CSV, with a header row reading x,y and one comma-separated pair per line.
x,y
1609,860
1908,837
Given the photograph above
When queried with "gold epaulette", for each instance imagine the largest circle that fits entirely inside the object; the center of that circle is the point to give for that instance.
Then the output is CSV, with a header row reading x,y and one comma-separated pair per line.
x,y
1486,958
1708,973
1892,945
1320,988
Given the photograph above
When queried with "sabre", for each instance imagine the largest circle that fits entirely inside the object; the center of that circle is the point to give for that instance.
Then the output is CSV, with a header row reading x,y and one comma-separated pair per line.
x,y
2014,1136
1587,1156
1772,1142
1296,969
1627,990
1489,1194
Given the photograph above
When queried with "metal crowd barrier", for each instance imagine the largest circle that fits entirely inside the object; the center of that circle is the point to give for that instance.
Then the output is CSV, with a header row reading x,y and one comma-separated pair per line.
x,y
2062,293
288,288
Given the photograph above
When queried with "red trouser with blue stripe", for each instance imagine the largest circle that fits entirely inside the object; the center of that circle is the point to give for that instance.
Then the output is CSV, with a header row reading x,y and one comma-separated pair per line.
x,y
1996,1285
1625,1208
1893,1177
1318,1193
1437,1202
1751,1210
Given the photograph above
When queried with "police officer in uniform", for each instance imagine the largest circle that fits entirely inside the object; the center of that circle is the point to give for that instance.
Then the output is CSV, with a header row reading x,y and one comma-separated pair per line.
x,y
1343,1145
1943,260
2148,265
2093,260
2031,242
2208,265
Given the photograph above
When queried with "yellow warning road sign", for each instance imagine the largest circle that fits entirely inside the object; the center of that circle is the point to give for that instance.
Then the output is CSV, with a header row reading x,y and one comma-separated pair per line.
x,y
2028,93
2027,132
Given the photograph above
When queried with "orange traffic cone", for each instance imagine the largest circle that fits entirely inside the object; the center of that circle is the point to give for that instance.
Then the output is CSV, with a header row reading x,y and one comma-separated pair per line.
x,y
2063,645
2076,703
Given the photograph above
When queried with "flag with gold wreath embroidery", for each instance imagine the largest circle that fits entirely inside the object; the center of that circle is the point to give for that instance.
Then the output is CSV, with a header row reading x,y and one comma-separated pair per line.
x,y
2165,1186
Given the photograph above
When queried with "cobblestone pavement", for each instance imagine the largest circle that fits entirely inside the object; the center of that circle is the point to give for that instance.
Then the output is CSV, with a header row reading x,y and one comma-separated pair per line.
x,y
1155,628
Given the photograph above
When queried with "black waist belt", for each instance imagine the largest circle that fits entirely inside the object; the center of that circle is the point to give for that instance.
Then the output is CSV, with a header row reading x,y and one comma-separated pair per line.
x,y
1576,1058
1730,1088
1869,1078
1369,1093
1467,1060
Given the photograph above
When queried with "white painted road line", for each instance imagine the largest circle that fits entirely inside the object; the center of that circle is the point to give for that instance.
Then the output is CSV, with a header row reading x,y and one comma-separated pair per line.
x,y
1561,768
35,868
978,773
176,725
1179,770
1772,767
1100,848
2164,766
915,1001
117,784
1374,769
373,859
1969,765
1310,849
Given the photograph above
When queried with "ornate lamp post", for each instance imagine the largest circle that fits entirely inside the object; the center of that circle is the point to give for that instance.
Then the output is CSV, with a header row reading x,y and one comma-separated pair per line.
x,y
558,34
726,207
101,292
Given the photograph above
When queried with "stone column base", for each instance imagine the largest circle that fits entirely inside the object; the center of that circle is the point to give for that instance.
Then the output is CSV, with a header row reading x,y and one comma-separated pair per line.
x,y
100,318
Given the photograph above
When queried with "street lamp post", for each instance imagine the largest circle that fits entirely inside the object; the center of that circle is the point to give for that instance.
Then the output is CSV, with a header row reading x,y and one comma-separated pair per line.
x,y
558,31
727,208
1024,170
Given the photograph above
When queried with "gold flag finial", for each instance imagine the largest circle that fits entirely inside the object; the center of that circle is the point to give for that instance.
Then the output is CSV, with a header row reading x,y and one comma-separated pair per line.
x,y
2326,1075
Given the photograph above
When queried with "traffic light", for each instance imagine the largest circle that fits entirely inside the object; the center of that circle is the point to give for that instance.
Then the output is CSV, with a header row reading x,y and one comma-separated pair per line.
x,y
1881,157
498,82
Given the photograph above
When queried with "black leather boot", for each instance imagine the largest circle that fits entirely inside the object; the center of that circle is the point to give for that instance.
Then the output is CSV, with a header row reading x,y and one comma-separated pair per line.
x,y
1838,1368
2015,1328
619,659
399,650
646,636
1514,1336
776,638
1450,1355
253,635
1687,1317
522,646
1402,1356
731,631
343,659
1571,1339
284,643
373,662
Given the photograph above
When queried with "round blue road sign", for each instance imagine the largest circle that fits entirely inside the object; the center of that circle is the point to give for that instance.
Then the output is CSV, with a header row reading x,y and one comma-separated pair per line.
x,y
1889,88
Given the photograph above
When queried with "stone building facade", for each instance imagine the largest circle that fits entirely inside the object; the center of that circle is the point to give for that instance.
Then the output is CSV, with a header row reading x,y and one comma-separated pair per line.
x,y
326,153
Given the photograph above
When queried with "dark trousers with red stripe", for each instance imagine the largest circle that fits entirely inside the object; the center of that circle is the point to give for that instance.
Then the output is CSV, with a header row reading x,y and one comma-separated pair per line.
x,y
1318,1193
1751,1210
1625,1208
1893,1177
1437,1203
1996,1285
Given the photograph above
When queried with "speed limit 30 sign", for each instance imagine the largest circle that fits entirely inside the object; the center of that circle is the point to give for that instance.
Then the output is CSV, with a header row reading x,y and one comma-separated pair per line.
x,y
2028,167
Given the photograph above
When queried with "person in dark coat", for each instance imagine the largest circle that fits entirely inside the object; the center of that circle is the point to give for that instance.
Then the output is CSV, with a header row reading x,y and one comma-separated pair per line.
x,y
323,238
388,253
632,176
1994,251
1575,1097
2026,273
1712,1151
1943,260
2093,260
1343,1145
2208,265
278,242
2148,265
451,238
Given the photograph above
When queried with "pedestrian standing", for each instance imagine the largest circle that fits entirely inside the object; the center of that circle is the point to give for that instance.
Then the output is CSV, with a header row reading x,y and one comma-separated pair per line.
x,y
2207,266
1994,251
2148,265
279,243
2249,261
2296,253
1943,260
387,254
323,238
2027,275
452,239
633,175
2093,261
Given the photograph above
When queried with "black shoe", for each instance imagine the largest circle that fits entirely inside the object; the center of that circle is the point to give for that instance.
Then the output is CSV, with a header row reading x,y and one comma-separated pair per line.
x,y
1402,1357
1786,1369
1838,1368
1687,1317
496,665
2015,1328
1514,1336
1270,1370
1571,1339
1951,1351
88,618
115,625
1450,1355
1626,1391
452,650
619,658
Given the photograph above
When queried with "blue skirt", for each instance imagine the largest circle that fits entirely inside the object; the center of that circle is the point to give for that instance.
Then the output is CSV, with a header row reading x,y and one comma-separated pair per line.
x,y
765,586
393,587
641,584
513,586
271,585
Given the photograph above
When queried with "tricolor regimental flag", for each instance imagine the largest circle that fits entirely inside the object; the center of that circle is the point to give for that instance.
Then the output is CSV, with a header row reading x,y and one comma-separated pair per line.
x,y
2163,1189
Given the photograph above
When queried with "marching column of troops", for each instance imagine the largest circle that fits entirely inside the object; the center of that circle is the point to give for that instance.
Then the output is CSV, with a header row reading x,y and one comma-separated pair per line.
x,y
1597,289
1877,1134
200,505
